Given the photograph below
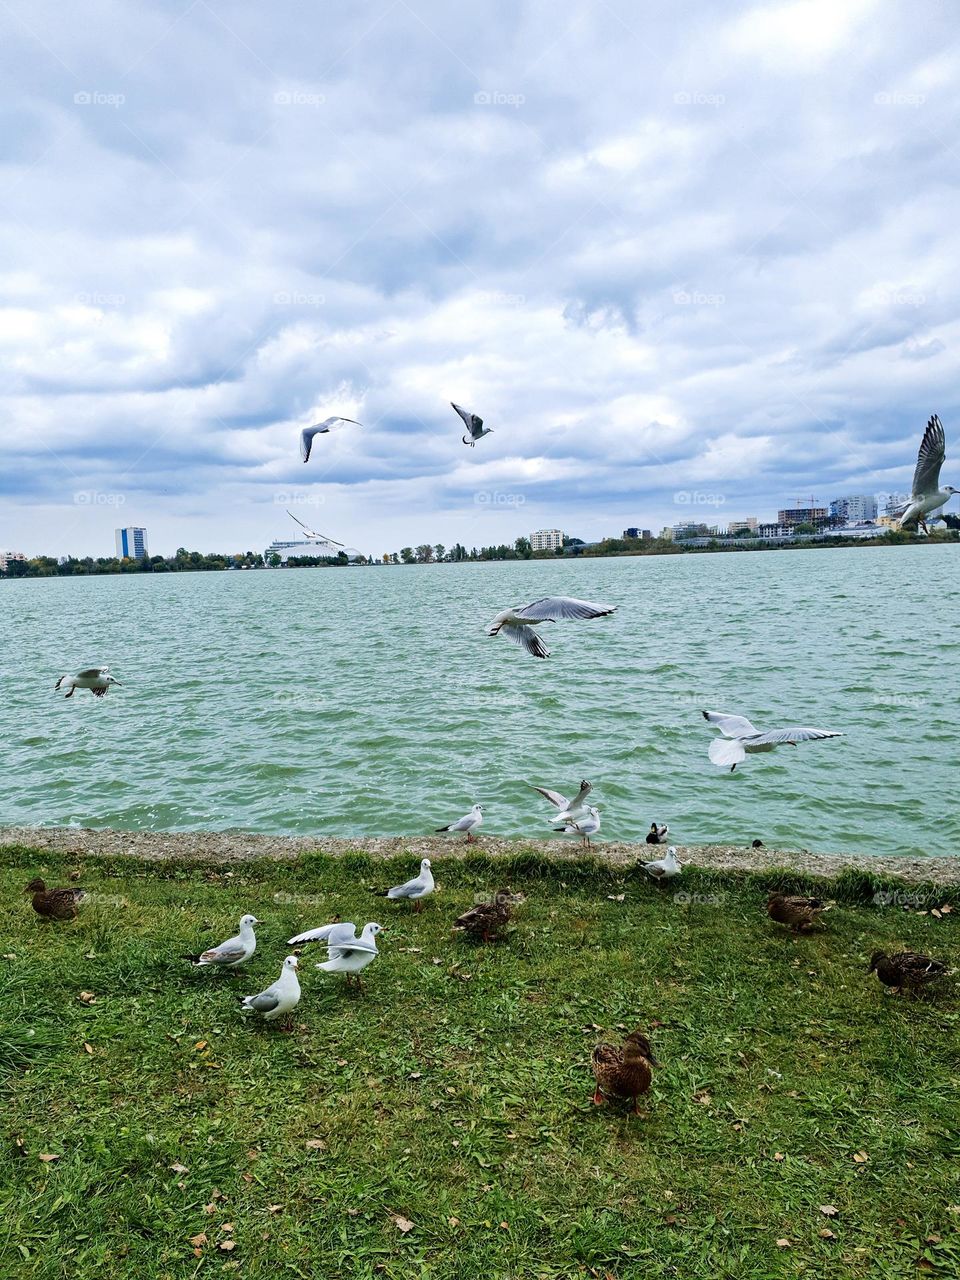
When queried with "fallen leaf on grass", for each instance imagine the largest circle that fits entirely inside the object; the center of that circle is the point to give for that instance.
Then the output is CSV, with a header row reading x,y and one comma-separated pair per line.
x,y
783,1243
201,1044
87,997
453,1222
316,1144
274,1208
826,1234
199,1239
703,1097
87,1047
401,1223
48,1156
778,1156
616,897
227,1245
179,1168
828,1210
860,1157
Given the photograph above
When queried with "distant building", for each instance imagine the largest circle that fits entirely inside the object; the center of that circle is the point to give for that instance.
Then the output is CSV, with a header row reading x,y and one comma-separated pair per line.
x,y
738,526
819,517
692,529
774,531
853,508
893,502
7,556
644,534
666,534
546,540
132,544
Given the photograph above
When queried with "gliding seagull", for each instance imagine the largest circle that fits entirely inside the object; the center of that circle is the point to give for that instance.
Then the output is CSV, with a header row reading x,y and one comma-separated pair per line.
x,y
740,737
321,429
926,496
473,424
322,536
517,624
97,679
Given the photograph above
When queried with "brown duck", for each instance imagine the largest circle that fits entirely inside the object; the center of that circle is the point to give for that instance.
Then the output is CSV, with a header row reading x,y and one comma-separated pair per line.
x,y
623,1073
796,912
487,920
905,969
54,904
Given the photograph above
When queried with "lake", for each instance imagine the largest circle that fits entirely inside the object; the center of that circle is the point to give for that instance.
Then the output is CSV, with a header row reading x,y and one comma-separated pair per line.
x,y
370,701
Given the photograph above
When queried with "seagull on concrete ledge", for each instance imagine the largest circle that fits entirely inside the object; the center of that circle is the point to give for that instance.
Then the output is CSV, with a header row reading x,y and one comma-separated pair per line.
x,y
741,738
517,624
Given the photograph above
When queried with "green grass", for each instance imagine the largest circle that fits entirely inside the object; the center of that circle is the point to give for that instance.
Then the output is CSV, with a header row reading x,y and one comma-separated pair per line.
x,y
455,1092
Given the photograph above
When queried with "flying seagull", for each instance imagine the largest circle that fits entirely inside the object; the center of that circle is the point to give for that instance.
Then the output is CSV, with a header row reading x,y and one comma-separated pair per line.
x,y
232,952
280,998
467,823
321,429
421,886
322,536
740,738
473,424
570,810
584,827
351,958
517,624
97,679
664,868
926,496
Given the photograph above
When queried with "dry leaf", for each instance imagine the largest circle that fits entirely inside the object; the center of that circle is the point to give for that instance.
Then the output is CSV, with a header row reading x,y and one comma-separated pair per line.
x,y
453,1222
778,1156
227,1245
87,1047
199,1239
783,1243
179,1168
703,1097
828,1210
946,909
227,1227
209,1208
402,1224
415,1075
504,1226
616,897
316,1144
860,1157
670,1219
201,1044
937,914
253,1154
934,1239
274,1208
87,997
48,1156
826,1234
353,1213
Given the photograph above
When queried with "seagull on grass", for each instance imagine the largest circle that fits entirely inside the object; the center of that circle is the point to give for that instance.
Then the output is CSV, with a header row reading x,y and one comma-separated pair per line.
x,y
664,868
97,679
741,738
234,951
420,887
926,496
351,958
570,810
321,429
331,934
473,424
280,998
517,624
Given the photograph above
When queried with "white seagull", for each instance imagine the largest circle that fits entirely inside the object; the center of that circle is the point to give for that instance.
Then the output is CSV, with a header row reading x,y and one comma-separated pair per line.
x,y
570,810
313,533
584,827
331,934
473,424
420,887
467,823
741,738
517,624
232,952
97,679
664,868
351,958
321,429
280,998
926,495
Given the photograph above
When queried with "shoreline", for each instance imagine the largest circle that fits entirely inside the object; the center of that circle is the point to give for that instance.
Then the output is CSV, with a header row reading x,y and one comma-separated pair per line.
x,y
237,847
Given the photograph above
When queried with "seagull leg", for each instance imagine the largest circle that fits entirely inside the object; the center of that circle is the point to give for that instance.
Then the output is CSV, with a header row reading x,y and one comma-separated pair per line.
x,y
417,906
597,1097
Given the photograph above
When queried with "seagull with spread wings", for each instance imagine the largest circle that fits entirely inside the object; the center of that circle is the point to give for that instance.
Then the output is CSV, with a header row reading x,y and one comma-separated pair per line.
x,y
321,429
313,534
926,496
97,679
473,424
741,738
570,810
517,624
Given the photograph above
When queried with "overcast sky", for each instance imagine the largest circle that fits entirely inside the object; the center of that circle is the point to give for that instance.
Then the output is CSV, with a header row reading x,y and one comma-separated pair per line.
x,y
687,260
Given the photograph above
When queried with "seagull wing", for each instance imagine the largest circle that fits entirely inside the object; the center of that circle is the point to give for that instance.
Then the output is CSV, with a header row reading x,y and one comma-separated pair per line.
x,y
91,673
731,726
556,799
926,478
797,733
473,424
320,429
562,608
326,933
226,953
727,751
411,886
313,533
352,948
265,1001
527,638
306,441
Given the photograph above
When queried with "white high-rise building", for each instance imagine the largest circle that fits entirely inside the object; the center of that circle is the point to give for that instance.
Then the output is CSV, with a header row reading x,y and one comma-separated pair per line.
x,y
132,544
546,539
854,507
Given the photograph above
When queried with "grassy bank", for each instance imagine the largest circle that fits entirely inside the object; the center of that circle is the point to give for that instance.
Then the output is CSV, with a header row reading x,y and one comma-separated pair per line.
x,y
454,1095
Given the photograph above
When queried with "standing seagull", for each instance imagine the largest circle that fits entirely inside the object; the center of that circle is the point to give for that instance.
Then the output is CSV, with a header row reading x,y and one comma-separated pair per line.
x,y
926,495
473,424
351,958
420,887
467,823
741,738
232,952
517,624
280,998
584,827
321,429
570,810
97,679
664,868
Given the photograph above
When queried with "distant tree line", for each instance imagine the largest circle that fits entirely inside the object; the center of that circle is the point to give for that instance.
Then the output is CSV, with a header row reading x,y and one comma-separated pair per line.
x,y
87,566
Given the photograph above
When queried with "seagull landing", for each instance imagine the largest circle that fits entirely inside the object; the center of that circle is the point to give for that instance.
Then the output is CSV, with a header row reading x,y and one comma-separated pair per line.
x,y
280,998
517,624
584,827
740,738
468,823
570,810
473,424
321,429
97,679
926,496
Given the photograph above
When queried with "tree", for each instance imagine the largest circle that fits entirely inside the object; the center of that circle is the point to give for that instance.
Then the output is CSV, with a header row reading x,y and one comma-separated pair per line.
x,y
406,555
439,551
523,548
424,553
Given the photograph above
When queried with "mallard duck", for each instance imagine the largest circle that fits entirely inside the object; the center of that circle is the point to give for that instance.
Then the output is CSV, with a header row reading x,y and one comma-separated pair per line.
x,y
623,1073
488,919
658,833
905,969
797,912
54,904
